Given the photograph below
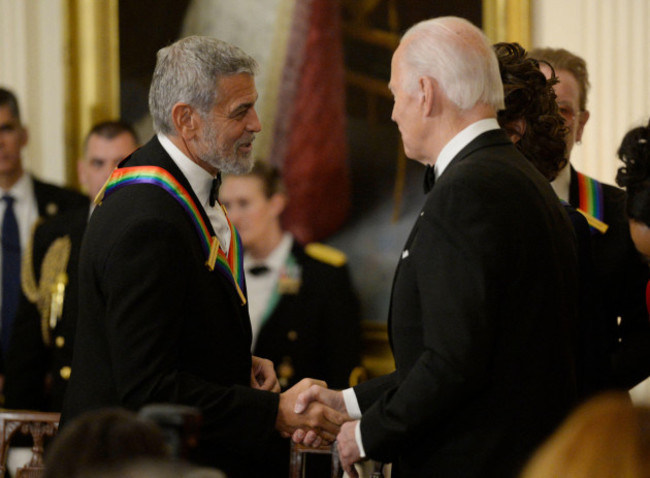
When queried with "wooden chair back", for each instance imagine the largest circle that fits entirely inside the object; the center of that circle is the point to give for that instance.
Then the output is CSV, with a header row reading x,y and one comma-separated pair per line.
x,y
298,452
36,424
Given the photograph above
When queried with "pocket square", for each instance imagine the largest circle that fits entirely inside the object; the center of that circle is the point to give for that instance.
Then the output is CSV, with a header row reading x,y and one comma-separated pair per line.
x,y
405,254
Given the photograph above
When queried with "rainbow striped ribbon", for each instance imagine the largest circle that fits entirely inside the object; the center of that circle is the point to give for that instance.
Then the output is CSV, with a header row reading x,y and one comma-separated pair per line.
x,y
229,265
590,193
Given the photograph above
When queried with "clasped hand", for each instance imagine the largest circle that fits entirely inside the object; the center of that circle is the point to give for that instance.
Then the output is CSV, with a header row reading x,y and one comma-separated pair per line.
x,y
317,419
346,441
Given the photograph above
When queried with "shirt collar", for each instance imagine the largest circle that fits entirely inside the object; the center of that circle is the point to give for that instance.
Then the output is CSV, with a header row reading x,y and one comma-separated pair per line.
x,y
199,178
562,183
277,258
462,139
22,189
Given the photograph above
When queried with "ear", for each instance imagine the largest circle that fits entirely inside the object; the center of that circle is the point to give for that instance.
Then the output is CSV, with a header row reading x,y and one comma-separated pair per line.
x,y
186,120
516,129
584,117
81,172
278,202
24,136
428,89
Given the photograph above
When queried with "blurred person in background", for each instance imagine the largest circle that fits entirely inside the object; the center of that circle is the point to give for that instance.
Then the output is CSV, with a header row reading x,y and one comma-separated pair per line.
x,y
23,199
304,310
533,122
38,364
619,273
634,176
605,437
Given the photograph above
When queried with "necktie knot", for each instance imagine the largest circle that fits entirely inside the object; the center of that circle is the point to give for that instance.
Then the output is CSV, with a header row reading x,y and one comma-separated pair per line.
x,y
214,189
9,200
429,179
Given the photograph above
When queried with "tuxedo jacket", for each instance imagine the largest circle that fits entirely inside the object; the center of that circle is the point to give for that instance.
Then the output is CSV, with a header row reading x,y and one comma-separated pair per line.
x,y
314,331
482,307
50,201
155,325
621,277
32,362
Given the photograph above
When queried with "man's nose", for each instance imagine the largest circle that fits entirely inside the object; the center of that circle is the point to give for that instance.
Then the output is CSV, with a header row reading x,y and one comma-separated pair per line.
x,y
254,125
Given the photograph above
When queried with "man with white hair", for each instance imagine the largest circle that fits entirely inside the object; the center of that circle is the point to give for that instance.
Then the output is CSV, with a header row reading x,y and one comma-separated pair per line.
x,y
483,296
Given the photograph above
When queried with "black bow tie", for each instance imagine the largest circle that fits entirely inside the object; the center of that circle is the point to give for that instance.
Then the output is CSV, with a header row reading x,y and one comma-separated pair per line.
x,y
429,179
214,189
259,270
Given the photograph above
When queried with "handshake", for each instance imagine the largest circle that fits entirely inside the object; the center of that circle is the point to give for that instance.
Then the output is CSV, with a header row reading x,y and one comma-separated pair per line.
x,y
311,414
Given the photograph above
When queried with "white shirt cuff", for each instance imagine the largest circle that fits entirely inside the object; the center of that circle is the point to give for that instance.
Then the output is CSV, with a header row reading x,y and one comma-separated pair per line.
x,y
352,407
357,438
351,403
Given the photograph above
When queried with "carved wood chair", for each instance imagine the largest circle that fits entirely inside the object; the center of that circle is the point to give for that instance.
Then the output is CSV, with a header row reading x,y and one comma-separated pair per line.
x,y
36,424
298,452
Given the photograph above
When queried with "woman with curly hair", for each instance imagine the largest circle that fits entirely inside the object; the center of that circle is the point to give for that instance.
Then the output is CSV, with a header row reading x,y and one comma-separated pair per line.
x,y
531,117
532,120
634,176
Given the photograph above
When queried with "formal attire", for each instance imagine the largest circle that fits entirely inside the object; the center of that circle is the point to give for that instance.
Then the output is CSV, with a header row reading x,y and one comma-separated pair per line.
x,y
481,313
308,313
33,199
40,358
621,277
591,341
162,314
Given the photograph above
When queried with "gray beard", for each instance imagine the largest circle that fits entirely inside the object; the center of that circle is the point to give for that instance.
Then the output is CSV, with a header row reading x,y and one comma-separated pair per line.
x,y
227,162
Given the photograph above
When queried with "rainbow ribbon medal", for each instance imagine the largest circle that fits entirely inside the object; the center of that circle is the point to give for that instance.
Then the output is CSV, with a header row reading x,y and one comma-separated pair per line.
x,y
229,265
591,202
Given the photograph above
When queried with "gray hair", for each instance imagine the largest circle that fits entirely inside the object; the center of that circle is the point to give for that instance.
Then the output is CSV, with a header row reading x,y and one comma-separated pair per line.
x,y
459,57
188,71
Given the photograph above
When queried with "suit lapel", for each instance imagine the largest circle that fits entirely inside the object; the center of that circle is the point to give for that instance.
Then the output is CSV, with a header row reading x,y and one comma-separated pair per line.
x,y
153,154
487,139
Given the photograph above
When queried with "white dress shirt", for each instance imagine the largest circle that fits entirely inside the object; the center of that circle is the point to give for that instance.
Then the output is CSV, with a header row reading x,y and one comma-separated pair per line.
x,y
201,182
562,183
447,154
25,210
260,287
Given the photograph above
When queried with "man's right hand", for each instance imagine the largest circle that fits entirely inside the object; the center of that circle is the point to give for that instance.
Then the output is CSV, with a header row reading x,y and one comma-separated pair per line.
x,y
318,394
319,419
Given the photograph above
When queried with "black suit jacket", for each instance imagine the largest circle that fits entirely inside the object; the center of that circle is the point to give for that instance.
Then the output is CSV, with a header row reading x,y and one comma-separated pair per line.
x,y
50,200
482,305
621,277
30,360
155,325
314,332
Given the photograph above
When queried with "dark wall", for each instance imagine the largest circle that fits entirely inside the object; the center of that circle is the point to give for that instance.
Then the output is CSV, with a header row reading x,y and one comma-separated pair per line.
x,y
145,27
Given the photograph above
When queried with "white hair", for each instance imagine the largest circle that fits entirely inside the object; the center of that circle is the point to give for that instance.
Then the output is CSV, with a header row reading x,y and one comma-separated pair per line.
x,y
188,71
458,56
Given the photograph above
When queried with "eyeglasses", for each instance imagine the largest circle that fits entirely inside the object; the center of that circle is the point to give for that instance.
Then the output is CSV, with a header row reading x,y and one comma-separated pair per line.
x,y
568,113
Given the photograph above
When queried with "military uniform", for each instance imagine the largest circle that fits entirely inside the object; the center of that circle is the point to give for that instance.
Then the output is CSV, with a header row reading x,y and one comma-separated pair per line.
x,y
39,361
311,327
50,201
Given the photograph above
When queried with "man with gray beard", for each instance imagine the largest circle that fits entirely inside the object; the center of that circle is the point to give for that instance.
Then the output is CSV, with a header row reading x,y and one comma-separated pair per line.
x,y
163,313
